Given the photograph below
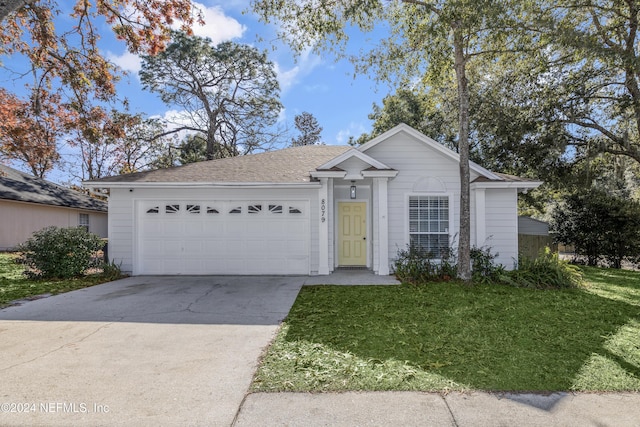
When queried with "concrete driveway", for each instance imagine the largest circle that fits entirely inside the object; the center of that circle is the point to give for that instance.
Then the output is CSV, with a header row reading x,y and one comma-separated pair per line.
x,y
139,351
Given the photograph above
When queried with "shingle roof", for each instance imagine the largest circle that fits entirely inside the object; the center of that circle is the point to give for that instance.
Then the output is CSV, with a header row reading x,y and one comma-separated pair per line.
x,y
19,186
289,165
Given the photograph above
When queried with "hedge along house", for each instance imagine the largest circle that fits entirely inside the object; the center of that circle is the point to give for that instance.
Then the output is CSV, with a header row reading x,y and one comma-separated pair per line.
x,y
306,210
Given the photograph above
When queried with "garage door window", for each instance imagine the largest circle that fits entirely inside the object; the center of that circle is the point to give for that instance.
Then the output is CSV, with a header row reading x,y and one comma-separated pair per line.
x,y
275,209
254,209
236,210
193,209
293,210
154,210
172,209
211,210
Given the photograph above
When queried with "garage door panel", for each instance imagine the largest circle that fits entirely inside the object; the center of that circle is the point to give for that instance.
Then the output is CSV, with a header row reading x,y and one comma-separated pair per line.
x,y
193,228
205,237
297,227
214,248
193,248
172,229
212,229
172,248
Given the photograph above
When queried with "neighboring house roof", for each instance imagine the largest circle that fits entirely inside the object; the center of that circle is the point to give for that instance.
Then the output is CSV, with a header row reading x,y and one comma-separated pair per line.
x,y
289,165
22,187
532,226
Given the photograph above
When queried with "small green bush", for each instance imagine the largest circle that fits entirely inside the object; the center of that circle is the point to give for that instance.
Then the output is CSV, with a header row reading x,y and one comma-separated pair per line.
x,y
484,270
547,271
414,265
111,271
60,252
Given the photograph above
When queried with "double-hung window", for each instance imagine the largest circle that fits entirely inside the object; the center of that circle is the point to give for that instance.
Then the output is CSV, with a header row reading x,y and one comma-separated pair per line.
x,y
83,221
429,224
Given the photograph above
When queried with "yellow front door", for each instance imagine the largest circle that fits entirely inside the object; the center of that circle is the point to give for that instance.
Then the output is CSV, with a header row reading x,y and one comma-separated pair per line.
x,y
352,233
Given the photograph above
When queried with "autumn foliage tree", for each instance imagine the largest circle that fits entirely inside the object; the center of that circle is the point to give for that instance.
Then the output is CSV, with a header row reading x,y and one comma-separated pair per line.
x,y
30,136
69,73
71,54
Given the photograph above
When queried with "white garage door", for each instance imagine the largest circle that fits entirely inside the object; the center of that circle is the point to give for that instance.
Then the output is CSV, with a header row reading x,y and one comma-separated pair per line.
x,y
223,237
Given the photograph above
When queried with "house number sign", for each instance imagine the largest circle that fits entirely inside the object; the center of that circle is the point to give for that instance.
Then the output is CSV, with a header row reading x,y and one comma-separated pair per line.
x,y
323,210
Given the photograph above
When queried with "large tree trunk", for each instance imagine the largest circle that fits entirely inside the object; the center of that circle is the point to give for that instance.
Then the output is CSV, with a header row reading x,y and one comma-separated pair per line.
x,y
464,239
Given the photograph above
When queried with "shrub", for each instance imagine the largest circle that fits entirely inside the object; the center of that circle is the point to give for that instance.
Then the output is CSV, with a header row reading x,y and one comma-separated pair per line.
x,y
414,265
547,271
483,267
600,226
60,252
111,271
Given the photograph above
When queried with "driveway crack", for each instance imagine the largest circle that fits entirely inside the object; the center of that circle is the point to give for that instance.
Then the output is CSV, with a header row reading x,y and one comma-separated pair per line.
x,y
453,417
197,300
56,349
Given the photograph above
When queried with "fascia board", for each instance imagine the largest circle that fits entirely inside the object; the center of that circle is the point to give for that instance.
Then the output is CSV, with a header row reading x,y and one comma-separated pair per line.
x,y
507,184
97,185
380,174
328,174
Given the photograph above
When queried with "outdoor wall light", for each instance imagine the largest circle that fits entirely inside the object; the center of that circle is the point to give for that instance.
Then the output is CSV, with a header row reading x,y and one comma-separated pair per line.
x,y
352,193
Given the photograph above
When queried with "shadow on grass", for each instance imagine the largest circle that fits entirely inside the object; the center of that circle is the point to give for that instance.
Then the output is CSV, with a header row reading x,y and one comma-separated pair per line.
x,y
484,337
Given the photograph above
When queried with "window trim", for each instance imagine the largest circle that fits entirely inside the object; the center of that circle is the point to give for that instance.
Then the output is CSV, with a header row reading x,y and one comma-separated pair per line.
x,y
80,223
452,213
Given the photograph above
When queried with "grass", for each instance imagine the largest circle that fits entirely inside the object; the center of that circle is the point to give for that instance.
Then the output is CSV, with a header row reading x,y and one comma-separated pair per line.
x,y
14,285
448,336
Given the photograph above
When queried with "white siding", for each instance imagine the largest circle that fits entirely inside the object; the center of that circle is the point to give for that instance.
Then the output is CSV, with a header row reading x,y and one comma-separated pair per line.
x,y
98,224
502,224
122,217
420,171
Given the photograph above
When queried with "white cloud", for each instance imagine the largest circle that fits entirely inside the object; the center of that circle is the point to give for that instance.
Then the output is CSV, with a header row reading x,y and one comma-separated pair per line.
x,y
282,115
173,119
305,64
354,129
218,27
127,61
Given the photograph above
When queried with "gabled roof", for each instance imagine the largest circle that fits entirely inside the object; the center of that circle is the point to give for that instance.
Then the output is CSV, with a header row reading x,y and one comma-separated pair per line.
x,y
404,128
22,187
286,166
294,167
373,163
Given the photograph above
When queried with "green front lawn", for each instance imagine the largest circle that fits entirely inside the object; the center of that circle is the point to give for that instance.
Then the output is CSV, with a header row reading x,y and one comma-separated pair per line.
x,y
448,336
14,285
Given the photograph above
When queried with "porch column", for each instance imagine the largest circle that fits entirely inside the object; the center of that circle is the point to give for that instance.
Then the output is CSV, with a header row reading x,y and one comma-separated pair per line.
x,y
381,226
323,233
481,217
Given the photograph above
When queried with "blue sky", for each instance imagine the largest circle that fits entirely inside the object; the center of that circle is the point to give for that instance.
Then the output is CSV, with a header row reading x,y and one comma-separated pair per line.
x,y
317,84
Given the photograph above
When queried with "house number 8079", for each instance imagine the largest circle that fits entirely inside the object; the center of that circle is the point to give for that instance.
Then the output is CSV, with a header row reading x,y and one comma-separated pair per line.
x,y
323,210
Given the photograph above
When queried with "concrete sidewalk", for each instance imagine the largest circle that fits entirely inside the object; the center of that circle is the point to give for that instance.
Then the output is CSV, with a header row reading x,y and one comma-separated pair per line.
x,y
474,409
